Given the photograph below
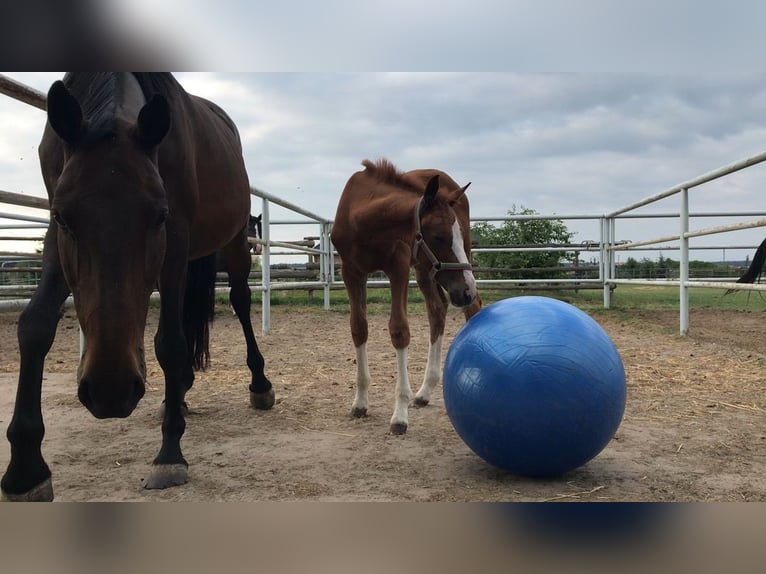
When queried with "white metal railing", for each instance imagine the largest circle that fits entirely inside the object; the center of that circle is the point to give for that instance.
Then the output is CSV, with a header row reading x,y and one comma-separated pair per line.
x,y
606,246
685,234
324,253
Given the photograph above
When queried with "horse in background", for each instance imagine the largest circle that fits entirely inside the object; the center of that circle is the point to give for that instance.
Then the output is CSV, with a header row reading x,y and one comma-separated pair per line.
x,y
391,221
255,231
755,270
133,156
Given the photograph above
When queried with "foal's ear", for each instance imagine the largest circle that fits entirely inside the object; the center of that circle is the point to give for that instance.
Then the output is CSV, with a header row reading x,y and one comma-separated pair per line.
x,y
153,122
432,187
459,193
64,113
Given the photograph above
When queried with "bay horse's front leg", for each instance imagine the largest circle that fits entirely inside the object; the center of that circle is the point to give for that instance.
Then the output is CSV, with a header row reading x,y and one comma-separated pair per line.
x,y
436,306
28,477
169,467
399,329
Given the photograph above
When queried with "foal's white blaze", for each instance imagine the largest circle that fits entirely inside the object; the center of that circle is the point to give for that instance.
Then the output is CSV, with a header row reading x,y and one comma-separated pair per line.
x,y
459,250
433,371
362,379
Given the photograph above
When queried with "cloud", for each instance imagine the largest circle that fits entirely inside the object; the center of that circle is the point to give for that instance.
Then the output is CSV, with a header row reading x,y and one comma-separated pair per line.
x,y
556,143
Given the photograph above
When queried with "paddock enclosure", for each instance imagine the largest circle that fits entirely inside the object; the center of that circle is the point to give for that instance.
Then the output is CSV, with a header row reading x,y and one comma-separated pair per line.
x,y
694,427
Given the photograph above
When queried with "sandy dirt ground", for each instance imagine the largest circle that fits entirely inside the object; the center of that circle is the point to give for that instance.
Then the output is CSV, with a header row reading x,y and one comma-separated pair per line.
x,y
694,427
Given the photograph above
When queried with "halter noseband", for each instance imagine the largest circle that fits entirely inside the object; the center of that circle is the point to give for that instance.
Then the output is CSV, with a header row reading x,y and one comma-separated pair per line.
x,y
420,243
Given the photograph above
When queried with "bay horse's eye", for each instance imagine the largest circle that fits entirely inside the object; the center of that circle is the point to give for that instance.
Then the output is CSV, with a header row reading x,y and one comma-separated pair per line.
x,y
161,217
59,221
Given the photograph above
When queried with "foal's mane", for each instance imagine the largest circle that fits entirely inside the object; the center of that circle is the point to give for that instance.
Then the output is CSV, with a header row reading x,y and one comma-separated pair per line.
x,y
385,172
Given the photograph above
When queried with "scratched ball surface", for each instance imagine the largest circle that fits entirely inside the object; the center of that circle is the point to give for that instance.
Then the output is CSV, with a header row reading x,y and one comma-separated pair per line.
x,y
534,386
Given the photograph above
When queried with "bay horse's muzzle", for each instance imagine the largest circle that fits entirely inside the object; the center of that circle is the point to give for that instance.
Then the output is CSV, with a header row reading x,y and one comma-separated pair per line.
x,y
115,397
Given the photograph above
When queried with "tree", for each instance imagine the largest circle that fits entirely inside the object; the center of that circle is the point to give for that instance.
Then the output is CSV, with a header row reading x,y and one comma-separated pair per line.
x,y
522,232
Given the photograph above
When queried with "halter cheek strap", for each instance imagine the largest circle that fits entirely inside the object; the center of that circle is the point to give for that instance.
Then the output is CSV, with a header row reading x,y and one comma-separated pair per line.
x,y
420,243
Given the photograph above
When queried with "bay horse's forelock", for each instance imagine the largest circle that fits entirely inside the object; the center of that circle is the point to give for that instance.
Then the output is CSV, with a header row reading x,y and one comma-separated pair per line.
x,y
391,221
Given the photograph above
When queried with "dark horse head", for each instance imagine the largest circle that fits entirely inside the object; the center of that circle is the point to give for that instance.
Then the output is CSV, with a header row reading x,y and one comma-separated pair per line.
x,y
109,207
255,229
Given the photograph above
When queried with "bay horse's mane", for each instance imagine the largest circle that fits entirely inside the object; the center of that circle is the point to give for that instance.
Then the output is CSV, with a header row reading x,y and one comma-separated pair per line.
x,y
385,172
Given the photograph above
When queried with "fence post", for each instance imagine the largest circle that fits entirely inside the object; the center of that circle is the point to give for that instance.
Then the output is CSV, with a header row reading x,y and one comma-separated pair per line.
x,y
325,259
683,271
605,261
266,268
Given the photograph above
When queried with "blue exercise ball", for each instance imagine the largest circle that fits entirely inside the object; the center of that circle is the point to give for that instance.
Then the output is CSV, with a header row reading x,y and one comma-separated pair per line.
x,y
534,386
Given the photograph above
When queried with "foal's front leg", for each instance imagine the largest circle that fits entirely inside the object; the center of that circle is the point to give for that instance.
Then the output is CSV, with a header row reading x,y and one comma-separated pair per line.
x,y
436,305
399,329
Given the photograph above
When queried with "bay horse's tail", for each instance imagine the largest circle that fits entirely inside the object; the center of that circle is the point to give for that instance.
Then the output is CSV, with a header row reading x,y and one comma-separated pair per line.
x,y
199,309
756,267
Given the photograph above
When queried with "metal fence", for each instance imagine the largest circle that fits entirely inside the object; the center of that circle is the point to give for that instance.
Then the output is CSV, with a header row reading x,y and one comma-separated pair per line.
x,y
610,245
604,248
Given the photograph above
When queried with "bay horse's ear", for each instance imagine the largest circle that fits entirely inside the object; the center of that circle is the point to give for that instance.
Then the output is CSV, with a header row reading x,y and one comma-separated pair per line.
x,y
64,113
153,122
432,187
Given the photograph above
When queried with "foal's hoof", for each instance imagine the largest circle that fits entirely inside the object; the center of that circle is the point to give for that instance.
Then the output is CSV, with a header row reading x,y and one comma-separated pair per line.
x,y
262,401
166,475
358,412
43,492
420,402
398,428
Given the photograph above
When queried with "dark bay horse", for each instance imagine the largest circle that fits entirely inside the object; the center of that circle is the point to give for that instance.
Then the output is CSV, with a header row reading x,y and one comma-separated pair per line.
x,y
146,183
756,266
255,231
390,221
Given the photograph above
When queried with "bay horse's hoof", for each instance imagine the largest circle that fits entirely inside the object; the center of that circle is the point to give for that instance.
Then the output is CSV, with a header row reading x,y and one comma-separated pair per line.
x,y
43,492
420,402
358,413
262,401
398,428
166,475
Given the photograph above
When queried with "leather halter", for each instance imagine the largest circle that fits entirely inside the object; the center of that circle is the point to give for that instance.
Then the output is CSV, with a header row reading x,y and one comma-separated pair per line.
x,y
420,243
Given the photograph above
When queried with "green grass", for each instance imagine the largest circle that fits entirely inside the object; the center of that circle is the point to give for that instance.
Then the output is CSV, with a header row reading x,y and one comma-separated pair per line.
x,y
624,298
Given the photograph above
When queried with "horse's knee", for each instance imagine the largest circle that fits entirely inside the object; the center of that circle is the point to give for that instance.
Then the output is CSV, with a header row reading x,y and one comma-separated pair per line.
x,y
359,332
400,338
36,330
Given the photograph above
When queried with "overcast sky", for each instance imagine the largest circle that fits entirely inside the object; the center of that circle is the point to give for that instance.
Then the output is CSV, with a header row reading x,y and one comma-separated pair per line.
x,y
573,143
